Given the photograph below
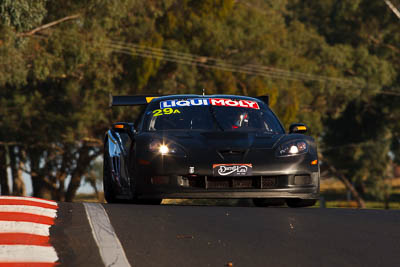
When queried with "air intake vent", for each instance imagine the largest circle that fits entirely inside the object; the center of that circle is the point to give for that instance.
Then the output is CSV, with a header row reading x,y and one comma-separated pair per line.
x,y
268,182
302,179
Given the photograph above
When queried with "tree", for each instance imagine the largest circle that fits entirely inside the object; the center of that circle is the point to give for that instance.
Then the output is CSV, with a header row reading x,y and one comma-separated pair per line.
x,y
22,14
363,135
49,114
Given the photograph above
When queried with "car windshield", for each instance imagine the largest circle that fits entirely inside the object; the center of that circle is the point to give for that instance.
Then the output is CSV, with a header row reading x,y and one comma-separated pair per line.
x,y
210,114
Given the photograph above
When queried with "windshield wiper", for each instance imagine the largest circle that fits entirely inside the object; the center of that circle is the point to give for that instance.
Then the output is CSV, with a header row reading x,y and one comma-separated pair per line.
x,y
215,118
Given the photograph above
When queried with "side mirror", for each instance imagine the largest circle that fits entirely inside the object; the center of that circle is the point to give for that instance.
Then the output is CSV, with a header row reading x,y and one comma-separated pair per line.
x,y
124,127
297,128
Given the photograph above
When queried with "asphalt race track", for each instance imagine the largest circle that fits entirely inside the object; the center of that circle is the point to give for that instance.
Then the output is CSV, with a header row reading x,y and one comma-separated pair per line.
x,y
171,235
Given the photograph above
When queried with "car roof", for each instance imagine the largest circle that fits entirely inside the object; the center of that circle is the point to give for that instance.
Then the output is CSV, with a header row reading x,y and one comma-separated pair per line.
x,y
167,97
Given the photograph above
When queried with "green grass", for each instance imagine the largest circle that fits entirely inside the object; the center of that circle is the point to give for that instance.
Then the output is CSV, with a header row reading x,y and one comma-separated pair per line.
x,y
89,198
353,204
335,195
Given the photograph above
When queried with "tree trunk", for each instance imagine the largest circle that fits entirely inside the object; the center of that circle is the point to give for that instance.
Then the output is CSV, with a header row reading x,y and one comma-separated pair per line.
x,y
80,169
5,189
39,186
386,201
60,193
92,182
62,174
349,186
16,172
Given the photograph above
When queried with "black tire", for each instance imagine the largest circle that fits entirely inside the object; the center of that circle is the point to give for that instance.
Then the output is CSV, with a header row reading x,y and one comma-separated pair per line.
x,y
300,203
109,194
133,184
265,202
134,199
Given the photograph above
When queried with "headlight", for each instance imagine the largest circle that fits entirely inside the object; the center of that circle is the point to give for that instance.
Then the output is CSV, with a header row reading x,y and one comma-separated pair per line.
x,y
292,148
165,149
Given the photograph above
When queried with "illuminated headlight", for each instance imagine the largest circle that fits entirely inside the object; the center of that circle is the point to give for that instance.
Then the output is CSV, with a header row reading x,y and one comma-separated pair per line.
x,y
293,148
165,149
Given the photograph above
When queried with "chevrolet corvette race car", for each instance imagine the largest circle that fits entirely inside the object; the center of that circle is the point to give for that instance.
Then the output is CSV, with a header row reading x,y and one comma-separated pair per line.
x,y
208,146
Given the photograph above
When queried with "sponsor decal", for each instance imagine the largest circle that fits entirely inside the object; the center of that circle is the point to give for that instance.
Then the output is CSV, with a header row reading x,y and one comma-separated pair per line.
x,y
184,103
234,103
209,101
232,169
166,111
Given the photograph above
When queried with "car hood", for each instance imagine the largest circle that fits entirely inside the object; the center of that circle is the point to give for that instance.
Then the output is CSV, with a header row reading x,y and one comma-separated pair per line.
x,y
221,140
203,149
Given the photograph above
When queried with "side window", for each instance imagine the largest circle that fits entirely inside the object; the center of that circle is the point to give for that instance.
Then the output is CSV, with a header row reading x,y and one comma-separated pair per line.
x,y
272,122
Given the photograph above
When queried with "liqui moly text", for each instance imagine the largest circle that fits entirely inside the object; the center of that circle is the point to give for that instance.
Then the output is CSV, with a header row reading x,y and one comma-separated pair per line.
x,y
209,101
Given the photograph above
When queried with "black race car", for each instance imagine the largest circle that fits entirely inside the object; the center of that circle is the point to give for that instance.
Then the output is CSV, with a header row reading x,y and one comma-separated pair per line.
x,y
209,146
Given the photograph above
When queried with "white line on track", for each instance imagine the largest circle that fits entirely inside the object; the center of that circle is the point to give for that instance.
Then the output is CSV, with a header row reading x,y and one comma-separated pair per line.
x,y
29,199
29,209
26,253
24,227
111,250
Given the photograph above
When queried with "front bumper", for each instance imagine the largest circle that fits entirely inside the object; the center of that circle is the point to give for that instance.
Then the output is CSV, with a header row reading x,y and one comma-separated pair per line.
x,y
304,186
232,194
271,177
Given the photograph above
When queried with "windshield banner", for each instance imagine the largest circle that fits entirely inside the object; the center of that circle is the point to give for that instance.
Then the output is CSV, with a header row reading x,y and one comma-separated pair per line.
x,y
209,101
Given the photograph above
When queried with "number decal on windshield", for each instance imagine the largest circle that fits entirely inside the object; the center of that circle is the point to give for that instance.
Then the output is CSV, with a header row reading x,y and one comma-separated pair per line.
x,y
157,112
168,111
165,111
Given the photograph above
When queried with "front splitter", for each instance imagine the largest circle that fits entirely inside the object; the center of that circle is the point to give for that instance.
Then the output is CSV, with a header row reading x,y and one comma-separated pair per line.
x,y
236,194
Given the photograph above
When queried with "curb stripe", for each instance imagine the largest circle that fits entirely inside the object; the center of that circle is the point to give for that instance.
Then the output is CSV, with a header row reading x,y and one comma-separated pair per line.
x,y
27,203
24,227
24,232
24,253
111,250
24,239
29,210
34,199
25,217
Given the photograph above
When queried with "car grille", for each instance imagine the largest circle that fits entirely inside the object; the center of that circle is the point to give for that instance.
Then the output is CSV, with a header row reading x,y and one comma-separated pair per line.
x,y
234,182
268,182
227,182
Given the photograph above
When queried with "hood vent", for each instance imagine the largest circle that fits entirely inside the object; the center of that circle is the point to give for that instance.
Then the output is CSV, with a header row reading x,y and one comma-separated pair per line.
x,y
226,135
232,153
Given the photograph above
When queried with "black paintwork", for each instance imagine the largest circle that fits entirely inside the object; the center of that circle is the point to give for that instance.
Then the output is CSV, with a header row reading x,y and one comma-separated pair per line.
x,y
130,168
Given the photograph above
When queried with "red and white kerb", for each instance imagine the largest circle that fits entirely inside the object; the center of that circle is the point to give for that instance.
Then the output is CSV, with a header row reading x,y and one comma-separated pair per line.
x,y
24,231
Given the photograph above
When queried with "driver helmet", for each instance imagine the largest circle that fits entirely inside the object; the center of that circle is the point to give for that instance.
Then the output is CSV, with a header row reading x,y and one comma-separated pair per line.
x,y
241,121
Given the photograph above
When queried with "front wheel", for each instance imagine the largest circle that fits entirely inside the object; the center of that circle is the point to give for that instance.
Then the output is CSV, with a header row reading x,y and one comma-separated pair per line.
x,y
135,199
300,203
109,194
